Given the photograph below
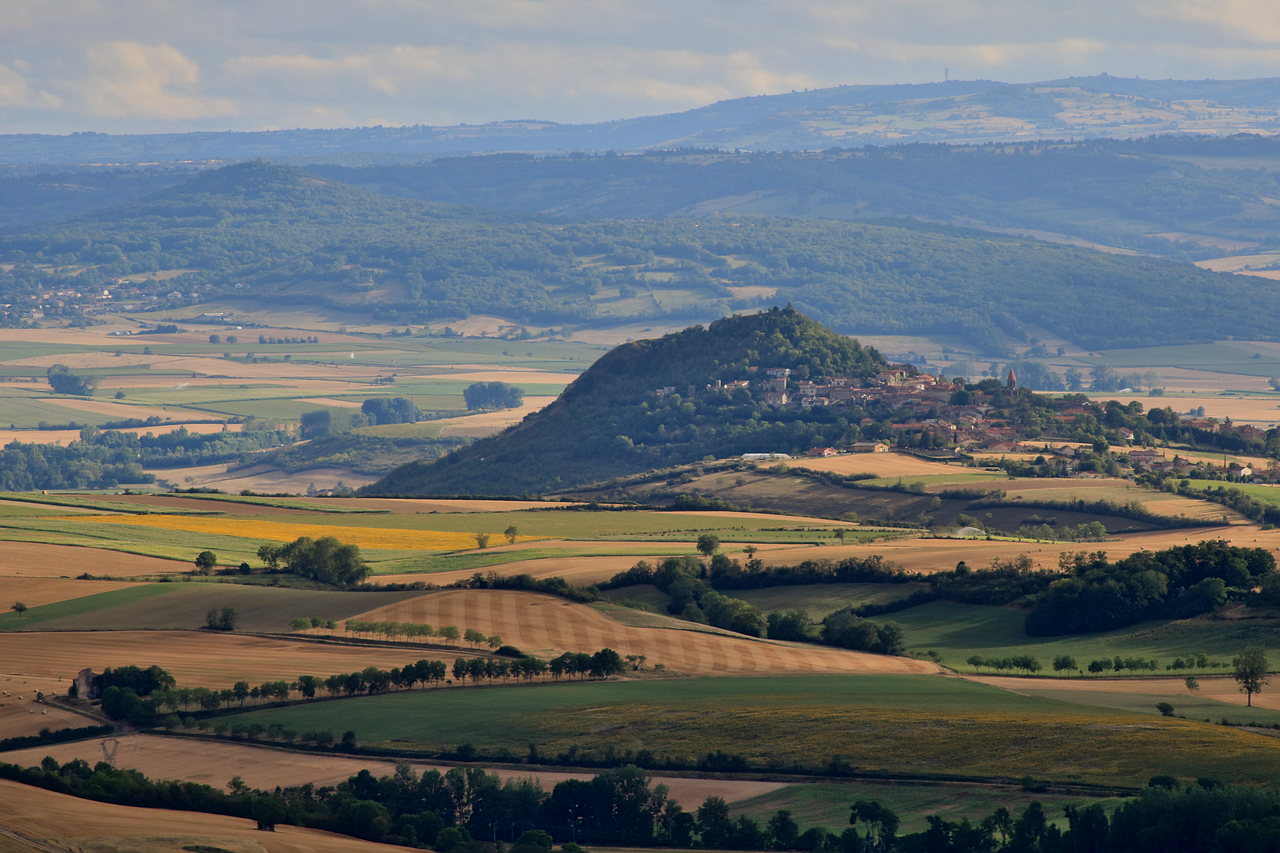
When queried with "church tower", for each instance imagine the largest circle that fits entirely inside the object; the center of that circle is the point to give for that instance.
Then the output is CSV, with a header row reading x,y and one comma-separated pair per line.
x,y
1012,382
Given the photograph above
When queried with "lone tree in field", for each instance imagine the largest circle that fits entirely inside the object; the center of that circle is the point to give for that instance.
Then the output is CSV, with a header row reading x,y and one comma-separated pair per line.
x,y
511,533
19,608
482,540
708,544
206,562
63,381
1251,671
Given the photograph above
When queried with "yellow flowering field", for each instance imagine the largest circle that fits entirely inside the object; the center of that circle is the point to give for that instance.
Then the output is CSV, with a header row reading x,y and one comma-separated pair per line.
x,y
276,531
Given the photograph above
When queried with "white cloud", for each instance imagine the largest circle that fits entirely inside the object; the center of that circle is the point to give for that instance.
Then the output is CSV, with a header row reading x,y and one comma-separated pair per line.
x,y
132,80
16,92
147,65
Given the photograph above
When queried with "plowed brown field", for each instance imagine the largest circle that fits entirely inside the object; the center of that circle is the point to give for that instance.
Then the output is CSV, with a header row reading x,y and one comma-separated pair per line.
x,y
37,560
75,824
544,625
195,659
34,592
214,763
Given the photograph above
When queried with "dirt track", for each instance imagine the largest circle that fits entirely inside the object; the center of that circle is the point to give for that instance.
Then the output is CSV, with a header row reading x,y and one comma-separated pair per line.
x,y
544,625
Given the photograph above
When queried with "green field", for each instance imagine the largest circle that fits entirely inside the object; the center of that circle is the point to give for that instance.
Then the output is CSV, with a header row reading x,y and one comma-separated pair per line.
x,y
958,631
72,611
827,805
1259,491
820,599
901,724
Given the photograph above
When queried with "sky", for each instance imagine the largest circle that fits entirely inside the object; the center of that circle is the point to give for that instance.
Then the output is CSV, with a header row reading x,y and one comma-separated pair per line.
x,y
148,66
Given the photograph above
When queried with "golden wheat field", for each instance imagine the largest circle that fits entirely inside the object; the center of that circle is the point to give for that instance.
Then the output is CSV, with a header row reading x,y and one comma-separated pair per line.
x,y
276,531
212,762
195,659
58,821
544,625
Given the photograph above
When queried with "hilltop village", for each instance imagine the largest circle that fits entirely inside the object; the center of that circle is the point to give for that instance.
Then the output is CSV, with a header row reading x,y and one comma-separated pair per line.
x,y
905,409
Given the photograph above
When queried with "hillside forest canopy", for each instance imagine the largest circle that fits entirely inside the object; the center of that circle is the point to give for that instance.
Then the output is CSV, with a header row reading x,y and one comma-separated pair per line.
x,y
288,237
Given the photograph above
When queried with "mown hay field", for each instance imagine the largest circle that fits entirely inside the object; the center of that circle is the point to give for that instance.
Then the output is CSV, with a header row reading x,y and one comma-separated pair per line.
x,y
195,658
74,824
213,763
903,724
545,626
880,464
22,716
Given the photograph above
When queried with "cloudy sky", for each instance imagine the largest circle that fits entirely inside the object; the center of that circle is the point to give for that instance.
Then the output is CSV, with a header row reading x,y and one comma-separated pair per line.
x,y
180,65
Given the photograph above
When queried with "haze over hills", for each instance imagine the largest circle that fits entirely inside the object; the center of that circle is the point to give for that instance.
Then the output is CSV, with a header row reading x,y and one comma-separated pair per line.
x,y
279,234
974,110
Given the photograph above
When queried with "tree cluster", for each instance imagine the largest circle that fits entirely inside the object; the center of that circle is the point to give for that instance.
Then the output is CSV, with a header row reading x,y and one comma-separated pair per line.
x,y
1177,582
492,395
325,560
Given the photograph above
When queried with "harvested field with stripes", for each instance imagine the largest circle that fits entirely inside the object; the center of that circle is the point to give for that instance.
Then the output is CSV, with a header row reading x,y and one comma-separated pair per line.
x,y
545,626
196,658
211,762
63,822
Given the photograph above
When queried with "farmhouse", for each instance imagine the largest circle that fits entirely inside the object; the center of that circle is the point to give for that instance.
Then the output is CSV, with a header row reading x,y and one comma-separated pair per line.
x,y
868,447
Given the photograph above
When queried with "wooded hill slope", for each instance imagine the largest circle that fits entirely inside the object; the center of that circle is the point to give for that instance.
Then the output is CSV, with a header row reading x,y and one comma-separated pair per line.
x,y
608,422
1122,193
284,235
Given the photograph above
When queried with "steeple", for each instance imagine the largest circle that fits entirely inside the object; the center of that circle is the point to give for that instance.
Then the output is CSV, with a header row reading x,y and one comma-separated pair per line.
x,y
1012,382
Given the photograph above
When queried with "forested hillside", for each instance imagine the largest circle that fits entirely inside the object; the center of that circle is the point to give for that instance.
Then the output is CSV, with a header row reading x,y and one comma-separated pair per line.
x,y
1115,192
284,235
609,422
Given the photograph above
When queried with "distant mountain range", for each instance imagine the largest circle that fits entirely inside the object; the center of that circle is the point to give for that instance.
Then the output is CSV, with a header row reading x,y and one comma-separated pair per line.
x,y
846,116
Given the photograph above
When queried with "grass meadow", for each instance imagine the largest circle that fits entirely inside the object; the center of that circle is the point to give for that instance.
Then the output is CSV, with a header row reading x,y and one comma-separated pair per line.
x,y
959,631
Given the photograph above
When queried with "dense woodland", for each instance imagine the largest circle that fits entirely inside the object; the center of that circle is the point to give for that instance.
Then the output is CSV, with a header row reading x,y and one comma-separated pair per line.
x,y
284,235
1029,185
